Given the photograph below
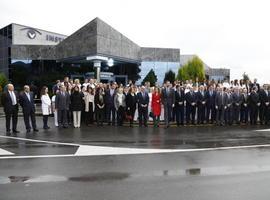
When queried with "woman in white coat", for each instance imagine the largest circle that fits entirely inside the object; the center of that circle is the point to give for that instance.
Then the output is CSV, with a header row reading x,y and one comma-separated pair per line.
x,y
45,106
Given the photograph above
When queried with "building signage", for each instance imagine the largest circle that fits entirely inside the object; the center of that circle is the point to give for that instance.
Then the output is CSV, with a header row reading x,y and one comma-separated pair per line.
x,y
32,33
54,38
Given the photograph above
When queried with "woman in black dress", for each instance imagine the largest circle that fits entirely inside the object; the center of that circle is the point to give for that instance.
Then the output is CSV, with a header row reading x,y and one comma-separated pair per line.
x,y
99,106
131,104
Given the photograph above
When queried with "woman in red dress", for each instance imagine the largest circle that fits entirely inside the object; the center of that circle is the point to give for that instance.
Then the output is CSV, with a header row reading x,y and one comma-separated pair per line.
x,y
156,106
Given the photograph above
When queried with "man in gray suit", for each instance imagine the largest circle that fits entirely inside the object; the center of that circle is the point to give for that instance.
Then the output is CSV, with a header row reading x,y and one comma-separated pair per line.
x,y
168,99
221,101
62,100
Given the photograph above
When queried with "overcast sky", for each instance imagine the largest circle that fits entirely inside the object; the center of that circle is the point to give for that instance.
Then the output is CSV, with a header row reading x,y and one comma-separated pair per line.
x,y
231,34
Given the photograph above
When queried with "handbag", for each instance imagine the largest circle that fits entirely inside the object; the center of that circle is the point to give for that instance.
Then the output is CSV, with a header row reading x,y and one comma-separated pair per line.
x,y
151,114
128,115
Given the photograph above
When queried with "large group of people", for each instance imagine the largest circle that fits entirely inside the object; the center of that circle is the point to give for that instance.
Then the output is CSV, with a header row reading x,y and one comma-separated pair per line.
x,y
189,102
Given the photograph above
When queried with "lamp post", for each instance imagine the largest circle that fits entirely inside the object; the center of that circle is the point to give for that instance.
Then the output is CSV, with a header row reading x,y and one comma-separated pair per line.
x,y
97,63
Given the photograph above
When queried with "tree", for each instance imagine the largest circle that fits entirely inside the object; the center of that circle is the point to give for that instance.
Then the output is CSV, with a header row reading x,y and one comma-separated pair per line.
x,y
3,81
245,77
169,76
150,77
191,70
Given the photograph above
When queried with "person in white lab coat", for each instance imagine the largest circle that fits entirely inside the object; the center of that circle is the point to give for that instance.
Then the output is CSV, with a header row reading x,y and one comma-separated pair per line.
x,y
45,106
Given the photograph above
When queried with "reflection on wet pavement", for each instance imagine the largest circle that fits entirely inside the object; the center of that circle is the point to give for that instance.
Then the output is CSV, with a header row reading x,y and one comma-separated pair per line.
x,y
119,176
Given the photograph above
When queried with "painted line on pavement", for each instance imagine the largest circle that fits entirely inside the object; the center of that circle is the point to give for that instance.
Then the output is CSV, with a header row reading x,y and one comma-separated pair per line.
x,y
90,150
263,130
40,141
5,152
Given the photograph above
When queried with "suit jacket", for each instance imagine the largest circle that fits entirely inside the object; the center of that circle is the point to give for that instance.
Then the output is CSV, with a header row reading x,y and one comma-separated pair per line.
x,y
99,101
219,100
109,99
168,98
254,99
210,99
237,99
26,104
62,101
245,100
76,101
142,100
7,102
230,100
263,97
131,101
179,97
201,98
191,98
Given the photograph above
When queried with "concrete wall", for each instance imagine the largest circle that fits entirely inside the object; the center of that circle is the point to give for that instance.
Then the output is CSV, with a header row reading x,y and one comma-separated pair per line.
x,y
33,52
160,54
111,42
81,43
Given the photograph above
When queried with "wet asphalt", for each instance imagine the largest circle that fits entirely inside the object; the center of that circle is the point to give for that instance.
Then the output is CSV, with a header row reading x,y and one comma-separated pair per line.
x,y
242,173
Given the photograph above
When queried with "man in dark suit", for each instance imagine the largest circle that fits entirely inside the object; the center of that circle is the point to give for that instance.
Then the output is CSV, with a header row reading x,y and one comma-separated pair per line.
x,y
179,105
168,99
28,106
267,114
10,104
245,106
221,102
110,108
62,101
191,102
143,101
210,104
201,102
237,99
264,107
229,110
254,103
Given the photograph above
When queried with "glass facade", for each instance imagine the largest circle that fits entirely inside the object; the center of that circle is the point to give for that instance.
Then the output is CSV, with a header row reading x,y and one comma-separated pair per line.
x,y
42,72
160,68
5,54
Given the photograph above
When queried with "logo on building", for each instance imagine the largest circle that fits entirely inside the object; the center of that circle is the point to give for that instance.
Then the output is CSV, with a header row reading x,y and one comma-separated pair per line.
x,y
31,32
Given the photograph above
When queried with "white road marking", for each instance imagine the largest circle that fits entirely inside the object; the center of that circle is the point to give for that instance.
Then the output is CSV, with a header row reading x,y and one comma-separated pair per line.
x,y
4,152
90,150
40,141
263,130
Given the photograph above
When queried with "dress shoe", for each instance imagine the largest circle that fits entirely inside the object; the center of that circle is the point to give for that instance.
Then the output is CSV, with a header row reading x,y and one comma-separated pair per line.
x,y
15,131
27,131
35,130
8,133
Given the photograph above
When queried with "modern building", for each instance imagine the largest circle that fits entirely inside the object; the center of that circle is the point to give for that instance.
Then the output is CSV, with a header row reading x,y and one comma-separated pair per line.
x,y
30,54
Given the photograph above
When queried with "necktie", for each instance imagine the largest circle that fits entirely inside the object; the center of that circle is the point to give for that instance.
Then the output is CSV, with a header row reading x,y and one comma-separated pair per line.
x,y
13,98
222,98
28,96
